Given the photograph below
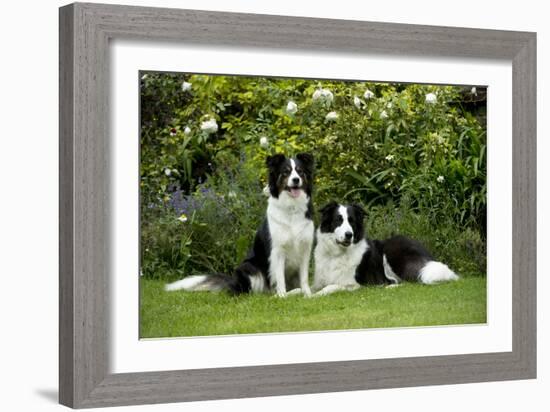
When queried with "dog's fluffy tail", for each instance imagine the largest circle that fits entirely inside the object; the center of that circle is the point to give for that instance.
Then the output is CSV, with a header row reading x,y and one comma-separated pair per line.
x,y
198,283
434,272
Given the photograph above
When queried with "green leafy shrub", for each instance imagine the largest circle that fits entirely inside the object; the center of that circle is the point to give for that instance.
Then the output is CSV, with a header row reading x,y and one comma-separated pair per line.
x,y
410,153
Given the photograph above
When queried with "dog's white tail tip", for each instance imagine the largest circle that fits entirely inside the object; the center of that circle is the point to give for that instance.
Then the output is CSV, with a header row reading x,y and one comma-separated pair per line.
x,y
435,272
188,283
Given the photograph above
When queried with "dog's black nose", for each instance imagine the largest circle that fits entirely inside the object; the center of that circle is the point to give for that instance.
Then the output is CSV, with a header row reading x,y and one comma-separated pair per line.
x,y
295,180
348,235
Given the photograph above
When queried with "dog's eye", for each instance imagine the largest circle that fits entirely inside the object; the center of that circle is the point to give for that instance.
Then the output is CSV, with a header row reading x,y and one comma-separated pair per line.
x,y
351,220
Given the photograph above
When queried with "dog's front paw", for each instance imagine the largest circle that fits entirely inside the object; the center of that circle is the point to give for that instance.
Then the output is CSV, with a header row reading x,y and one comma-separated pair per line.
x,y
306,291
281,294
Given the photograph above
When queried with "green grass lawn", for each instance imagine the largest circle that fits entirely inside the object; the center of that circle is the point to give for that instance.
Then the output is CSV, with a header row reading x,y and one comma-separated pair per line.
x,y
171,314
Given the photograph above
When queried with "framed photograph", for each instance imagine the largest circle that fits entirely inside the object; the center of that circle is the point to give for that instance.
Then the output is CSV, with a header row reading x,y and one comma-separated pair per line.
x,y
257,205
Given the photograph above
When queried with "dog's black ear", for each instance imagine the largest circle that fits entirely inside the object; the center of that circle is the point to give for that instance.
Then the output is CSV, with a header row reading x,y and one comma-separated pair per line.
x,y
273,164
275,161
329,207
358,225
327,212
307,161
359,210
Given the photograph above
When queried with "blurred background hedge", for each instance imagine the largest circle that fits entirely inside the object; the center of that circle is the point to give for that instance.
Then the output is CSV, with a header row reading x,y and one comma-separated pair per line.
x,y
413,155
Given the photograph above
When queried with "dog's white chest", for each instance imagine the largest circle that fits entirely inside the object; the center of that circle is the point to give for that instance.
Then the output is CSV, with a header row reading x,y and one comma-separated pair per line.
x,y
336,265
291,233
290,230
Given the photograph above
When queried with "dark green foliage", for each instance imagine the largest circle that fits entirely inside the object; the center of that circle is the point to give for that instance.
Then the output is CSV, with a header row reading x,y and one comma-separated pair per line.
x,y
417,163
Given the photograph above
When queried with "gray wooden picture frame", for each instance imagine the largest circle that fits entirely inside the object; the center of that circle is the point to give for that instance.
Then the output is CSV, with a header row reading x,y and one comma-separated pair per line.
x,y
85,31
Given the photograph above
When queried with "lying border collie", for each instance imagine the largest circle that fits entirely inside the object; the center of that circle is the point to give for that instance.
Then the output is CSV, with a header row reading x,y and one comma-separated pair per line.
x,y
346,259
280,255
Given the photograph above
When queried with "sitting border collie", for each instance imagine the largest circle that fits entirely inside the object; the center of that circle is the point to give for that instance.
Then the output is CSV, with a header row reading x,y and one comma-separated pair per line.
x,y
280,255
346,259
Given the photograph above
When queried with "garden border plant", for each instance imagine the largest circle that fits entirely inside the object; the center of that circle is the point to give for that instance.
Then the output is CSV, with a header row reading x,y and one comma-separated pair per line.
x,y
411,153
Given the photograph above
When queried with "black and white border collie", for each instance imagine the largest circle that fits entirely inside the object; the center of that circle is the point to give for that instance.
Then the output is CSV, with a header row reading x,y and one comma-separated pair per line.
x,y
345,258
279,258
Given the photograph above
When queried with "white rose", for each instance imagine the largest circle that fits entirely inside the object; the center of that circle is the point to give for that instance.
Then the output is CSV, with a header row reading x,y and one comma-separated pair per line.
x,y
331,116
291,107
186,86
167,172
187,130
440,179
323,95
431,98
383,115
368,94
264,142
357,102
327,95
209,126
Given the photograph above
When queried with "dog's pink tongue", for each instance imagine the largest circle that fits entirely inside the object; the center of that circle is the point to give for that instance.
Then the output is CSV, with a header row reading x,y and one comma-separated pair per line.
x,y
295,192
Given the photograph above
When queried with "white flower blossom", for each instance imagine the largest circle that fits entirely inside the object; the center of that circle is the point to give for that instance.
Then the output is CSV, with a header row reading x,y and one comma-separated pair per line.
x,y
209,126
186,86
331,116
231,194
327,95
291,108
264,142
440,179
389,105
368,94
473,91
323,95
431,98
357,102
411,144
167,172
183,218
383,114
187,130
389,157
